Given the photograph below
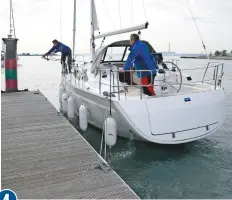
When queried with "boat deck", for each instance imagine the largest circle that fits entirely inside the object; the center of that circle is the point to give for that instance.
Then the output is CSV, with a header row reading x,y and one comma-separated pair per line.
x,y
134,92
44,157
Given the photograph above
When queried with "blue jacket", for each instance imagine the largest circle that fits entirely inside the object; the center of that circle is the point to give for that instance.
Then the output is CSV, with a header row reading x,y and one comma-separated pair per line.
x,y
142,59
60,47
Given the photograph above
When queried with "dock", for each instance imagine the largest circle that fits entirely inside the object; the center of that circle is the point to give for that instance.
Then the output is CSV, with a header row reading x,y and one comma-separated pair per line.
x,y
45,157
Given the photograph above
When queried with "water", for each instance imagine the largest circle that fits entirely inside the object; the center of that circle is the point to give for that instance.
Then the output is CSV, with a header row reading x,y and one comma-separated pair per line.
x,y
200,169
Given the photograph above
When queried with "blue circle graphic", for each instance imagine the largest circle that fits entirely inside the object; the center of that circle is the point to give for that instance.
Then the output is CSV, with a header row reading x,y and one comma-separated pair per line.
x,y
7,194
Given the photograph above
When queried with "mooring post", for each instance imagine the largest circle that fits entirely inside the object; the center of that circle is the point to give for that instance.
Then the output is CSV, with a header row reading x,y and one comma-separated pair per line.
x,y
11,64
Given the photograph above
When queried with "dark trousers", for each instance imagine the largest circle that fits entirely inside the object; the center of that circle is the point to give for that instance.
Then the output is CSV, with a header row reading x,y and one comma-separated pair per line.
x,y
68,56
148,90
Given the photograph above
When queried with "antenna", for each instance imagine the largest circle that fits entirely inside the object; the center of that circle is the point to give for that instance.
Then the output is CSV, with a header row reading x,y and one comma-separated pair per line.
x,y
10,35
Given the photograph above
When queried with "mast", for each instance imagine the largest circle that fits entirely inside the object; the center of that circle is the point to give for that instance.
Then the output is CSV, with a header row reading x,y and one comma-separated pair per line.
x,y
74,28
92,39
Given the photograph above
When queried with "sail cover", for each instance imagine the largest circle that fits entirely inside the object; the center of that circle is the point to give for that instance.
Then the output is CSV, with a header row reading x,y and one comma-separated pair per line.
x,y
95,21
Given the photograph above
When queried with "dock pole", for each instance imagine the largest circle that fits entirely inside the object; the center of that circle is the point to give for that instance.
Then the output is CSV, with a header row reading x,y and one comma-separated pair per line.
x,y
11,64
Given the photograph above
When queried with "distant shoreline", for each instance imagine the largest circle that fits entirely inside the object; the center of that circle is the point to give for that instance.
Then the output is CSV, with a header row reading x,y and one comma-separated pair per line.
x,y
184,57
210,57
29,55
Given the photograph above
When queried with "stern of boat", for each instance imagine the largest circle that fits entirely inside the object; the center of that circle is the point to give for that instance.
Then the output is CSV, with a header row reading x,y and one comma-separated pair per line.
x,y
175,119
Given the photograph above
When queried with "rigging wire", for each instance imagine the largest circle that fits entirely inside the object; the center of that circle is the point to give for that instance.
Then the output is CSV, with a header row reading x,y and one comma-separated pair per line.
x,y
108,14
61,39
131,12
103,139
74,28
119,10
54,59
61,20
144,10
197,29
74,35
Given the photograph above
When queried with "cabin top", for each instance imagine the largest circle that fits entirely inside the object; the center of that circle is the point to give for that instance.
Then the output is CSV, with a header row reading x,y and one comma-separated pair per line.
x,y
114,52
126,43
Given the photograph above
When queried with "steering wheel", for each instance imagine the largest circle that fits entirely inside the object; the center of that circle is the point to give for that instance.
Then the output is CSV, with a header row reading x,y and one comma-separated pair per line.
x,y
171,74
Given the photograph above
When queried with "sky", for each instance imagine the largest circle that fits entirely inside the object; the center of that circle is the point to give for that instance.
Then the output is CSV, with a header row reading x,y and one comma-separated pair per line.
x,y
38,22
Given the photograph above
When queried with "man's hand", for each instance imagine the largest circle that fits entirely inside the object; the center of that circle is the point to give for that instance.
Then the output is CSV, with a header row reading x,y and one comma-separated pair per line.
x,y
122,70
44,56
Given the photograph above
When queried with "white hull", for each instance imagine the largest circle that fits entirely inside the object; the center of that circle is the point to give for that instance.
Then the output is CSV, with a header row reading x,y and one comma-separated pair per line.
x,y
165,119
179,113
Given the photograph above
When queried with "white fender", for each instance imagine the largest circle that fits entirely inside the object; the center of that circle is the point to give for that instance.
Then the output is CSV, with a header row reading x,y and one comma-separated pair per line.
x,y
64,103
70,108
110,129
83,121
61,91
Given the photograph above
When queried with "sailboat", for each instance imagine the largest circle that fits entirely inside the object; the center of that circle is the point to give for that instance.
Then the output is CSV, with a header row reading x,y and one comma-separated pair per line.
x,y
181,112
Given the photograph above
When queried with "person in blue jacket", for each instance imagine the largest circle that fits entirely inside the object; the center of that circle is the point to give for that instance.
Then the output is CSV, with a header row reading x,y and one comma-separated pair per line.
x,y
142,59
66,52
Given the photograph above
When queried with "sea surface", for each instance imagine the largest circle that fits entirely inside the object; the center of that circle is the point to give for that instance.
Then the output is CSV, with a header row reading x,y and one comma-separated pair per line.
x,y
202,169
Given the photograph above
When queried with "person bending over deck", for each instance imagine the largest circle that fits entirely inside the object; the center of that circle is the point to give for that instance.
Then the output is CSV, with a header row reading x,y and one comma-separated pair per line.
x,y
66,52
143,60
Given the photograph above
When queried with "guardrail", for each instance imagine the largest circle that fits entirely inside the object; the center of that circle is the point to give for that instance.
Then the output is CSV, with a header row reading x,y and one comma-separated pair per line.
x,y
218,72
217,76
114,84
112,76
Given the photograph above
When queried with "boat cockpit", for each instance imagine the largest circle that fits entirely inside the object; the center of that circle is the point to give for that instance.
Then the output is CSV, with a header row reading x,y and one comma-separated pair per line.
x,y
169,79
114,56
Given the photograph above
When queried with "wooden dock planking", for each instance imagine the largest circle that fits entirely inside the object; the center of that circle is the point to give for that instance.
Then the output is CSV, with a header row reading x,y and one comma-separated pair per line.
x,y
44,157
